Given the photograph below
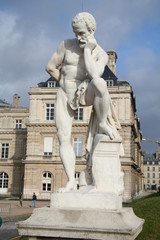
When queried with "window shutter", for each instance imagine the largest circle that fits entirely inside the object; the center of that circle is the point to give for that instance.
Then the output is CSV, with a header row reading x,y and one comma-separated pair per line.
x,y
48,142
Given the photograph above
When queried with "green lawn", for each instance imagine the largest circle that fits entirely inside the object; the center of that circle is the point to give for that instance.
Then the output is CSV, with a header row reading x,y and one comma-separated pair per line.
x,y
148,208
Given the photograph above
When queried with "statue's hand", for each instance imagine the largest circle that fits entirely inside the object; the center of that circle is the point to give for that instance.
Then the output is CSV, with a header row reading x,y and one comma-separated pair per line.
x,y
91,44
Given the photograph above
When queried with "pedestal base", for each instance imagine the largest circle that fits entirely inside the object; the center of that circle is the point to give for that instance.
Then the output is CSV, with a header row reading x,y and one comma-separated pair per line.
x,y
87,198
53,223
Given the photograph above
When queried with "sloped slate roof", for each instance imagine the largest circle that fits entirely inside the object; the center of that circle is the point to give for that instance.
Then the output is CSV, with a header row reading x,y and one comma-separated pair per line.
x,y
150,157
108,74
3,104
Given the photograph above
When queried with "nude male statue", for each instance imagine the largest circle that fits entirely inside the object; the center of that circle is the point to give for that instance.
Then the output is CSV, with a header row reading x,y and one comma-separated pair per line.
x,y
78,65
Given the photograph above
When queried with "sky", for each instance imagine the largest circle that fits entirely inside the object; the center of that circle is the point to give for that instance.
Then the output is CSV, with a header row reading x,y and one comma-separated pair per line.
x,y
31,30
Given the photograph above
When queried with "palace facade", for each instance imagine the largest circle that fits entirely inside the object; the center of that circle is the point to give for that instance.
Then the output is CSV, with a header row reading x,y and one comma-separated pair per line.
x,y
151,164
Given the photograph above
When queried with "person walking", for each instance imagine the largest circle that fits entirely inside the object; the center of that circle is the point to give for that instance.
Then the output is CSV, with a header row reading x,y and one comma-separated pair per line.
x,y
21,199
34,198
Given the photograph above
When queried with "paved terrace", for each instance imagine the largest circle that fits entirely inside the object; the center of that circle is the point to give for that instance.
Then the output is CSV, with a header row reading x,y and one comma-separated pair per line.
x,y
11,212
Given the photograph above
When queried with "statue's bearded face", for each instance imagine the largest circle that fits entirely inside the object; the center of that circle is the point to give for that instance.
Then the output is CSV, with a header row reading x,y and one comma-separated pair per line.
x,y
82,33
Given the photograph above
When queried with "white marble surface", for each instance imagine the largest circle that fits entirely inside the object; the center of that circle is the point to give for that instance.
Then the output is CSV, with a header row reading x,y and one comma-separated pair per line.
x,y
78,223
86,200
106,167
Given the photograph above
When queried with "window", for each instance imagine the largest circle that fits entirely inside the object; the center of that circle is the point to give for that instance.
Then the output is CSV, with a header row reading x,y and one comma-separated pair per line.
x,y
153,168
148,181
18,123
49,111
5,150
52,84
77,145
48,143
3,182
159,168
153,175
153,163
159,175
46,182
147,168
153,181
79,114
148,175
109,83
147,162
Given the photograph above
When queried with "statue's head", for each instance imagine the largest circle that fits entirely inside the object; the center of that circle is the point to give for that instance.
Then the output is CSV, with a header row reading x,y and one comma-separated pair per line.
x,y
87,19
84,26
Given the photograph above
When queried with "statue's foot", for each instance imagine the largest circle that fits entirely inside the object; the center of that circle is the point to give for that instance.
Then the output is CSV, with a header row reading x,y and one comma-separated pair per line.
x,y
71,185
104,129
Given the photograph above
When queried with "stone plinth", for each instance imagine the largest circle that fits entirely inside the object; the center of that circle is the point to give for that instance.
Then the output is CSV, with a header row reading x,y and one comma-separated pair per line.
x,y
86,200
53,223
106,167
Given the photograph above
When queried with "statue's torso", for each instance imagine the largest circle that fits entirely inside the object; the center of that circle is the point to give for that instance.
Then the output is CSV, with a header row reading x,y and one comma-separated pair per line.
x,y
73,70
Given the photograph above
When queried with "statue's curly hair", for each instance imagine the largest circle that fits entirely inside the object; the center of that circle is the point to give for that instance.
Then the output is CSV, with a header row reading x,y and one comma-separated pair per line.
x,y
87,18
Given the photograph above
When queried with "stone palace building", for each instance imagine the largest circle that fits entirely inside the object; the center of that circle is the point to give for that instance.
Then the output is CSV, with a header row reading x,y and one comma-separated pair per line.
x,y
29,148
151,164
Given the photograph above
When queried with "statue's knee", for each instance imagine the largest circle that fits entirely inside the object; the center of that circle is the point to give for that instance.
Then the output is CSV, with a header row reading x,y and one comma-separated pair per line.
x,y
100,85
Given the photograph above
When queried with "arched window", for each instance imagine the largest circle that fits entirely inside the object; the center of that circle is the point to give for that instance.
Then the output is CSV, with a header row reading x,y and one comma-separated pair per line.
x,y
46,182
3,182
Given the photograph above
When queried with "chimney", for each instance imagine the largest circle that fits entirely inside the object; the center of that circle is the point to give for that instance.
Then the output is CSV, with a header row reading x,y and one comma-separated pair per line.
x,y
16,100
158,152
112,57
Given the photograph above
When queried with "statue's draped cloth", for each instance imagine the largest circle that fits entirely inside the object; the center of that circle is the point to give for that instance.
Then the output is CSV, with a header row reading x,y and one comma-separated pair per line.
x,y
111,121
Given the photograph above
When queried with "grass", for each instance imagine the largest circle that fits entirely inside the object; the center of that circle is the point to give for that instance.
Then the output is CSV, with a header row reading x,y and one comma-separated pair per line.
x,y
148,208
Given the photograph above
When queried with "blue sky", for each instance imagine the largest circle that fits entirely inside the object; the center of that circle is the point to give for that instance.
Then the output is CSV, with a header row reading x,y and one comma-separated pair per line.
x,y
31,30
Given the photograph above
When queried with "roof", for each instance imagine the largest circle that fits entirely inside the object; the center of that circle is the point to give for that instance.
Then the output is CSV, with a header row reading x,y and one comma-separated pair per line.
x,y
108,74
3,104
150,157
45,84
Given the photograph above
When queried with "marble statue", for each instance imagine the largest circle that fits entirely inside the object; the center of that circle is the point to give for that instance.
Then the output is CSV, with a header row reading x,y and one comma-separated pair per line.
x,y
94,211
78,65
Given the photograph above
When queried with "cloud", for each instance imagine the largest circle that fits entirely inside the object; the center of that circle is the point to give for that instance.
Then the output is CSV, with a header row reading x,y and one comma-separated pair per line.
x,y
8,34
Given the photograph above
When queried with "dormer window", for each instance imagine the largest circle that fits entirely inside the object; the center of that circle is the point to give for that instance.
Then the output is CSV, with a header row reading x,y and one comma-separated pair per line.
x,y
109,83
52,84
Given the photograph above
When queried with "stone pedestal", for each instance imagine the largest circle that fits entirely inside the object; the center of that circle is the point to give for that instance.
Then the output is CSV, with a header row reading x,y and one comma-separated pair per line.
x,y
106,166
62,223
86,198
94,211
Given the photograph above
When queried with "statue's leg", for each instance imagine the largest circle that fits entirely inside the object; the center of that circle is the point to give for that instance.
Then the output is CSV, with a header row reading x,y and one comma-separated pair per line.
x,y
98,95
64,118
